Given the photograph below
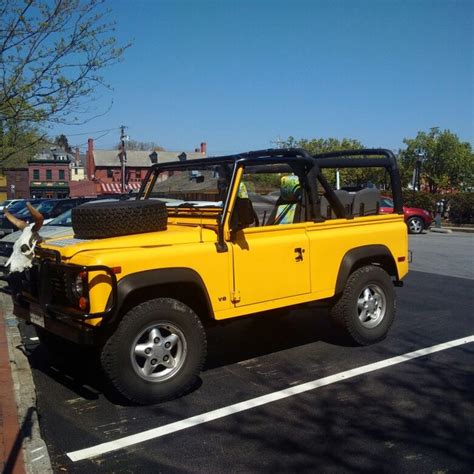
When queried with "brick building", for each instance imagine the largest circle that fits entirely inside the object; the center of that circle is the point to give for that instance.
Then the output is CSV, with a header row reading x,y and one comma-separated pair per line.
x,y
49,174
18,184
104,169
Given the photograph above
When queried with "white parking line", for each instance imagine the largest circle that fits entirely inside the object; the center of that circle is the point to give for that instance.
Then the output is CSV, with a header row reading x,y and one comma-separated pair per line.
x,y
258,401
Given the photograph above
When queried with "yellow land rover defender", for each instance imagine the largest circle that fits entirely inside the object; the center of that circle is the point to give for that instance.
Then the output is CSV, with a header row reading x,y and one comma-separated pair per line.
x,y
211,239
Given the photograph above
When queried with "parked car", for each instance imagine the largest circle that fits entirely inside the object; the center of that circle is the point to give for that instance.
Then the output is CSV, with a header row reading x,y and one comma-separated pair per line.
x,y
143,280
16,209
60,226
416,219
9,202
49,208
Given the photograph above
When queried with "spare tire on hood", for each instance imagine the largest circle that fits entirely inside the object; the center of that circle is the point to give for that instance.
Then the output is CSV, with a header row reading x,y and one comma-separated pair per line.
x,y
96,220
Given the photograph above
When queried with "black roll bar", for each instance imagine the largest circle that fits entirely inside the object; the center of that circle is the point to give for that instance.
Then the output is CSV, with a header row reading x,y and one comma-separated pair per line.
x,y
348,159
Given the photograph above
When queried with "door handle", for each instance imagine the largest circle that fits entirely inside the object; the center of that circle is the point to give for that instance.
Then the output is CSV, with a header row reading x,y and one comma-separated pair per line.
x,y
299,254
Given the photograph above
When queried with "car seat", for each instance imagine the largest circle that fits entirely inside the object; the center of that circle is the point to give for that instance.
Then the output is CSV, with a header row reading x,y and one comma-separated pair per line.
x,y
287,209
243,214
327,212
366,202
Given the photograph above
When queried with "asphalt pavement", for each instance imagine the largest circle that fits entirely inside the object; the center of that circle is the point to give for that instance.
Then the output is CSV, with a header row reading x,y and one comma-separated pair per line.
x,y
415,415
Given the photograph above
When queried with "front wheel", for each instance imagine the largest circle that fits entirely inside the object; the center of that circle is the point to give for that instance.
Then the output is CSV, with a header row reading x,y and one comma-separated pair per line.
x,y
366,309
415,225
157,351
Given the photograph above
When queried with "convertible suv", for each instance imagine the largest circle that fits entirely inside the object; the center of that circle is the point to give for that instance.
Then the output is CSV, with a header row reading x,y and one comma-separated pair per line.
x,y
213,239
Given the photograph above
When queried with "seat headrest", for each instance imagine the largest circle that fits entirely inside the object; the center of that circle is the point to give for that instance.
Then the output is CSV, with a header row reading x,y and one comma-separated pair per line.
x,y
290,189
242,192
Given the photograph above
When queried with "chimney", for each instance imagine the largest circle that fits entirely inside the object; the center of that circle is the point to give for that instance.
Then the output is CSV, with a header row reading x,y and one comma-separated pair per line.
x,y
203,148
90,159
77,156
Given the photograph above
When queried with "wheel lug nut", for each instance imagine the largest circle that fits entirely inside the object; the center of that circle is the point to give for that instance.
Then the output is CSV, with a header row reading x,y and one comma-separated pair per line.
x,y
147,351
156,340
168,345
153,362
166,358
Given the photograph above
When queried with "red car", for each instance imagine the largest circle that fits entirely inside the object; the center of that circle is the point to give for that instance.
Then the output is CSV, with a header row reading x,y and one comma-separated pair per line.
x,y
416,219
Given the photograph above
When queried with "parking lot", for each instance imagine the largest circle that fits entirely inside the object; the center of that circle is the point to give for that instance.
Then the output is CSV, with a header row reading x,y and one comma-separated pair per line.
x,y
286,393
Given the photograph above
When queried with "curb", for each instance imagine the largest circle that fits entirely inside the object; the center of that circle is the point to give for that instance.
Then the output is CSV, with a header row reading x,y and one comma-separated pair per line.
x,y
35,452
440,230
467,230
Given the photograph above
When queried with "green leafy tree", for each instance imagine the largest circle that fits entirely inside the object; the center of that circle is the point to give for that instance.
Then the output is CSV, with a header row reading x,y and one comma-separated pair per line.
x,y
52,53
19,143
354,176
322,145
446,162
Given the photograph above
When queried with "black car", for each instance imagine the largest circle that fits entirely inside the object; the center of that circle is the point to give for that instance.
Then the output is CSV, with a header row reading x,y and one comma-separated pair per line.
x,y
49,208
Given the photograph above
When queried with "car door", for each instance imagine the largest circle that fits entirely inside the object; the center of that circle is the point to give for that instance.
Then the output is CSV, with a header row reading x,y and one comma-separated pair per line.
x,y
270,261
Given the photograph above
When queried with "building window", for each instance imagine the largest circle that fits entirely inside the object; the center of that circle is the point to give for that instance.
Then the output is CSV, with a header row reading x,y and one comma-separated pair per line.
x,y
36,174
61,174
75,170
49,175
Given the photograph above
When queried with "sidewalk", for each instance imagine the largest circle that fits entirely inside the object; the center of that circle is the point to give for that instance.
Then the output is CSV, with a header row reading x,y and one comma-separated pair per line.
x,y
22,450
11,438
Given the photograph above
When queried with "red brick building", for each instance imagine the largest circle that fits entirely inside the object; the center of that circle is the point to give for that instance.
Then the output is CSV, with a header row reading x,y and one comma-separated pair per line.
x,y
104,169
18,183
49,174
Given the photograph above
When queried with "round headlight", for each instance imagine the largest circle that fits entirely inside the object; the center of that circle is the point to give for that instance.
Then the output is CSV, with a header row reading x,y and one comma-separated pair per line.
x,y
78,286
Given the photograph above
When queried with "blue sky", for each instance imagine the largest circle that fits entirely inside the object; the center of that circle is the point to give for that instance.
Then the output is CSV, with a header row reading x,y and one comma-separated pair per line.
x,y
238,74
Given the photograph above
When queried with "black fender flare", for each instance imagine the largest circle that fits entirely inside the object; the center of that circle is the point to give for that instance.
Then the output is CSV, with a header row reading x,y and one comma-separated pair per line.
x,y
152,278
375,253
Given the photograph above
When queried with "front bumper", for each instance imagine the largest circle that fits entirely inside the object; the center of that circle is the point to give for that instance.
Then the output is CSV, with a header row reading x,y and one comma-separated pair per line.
x,y
64,327
40,298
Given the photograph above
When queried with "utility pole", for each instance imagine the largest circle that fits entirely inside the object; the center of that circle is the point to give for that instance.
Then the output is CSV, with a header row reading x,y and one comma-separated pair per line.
x,y
123,156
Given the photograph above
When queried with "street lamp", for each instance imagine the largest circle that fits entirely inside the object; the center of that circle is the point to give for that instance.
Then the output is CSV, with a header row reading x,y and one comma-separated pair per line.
x,y
416,184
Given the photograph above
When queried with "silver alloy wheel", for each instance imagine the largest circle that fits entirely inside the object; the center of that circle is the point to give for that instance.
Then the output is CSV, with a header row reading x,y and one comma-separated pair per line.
x,y
371,306
415,225
158,352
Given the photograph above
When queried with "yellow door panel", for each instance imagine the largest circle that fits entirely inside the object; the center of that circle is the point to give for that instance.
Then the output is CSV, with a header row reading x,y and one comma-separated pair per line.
x,y
270,263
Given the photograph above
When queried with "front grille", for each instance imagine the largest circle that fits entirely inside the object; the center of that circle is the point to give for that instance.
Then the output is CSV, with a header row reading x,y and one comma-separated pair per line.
x,y
48,284
58,285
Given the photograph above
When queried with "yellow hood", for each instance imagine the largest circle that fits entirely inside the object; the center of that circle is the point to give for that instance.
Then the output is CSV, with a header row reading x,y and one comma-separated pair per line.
x,y
174,235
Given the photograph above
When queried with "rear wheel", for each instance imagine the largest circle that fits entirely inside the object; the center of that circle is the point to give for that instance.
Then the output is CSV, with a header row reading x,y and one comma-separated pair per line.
x,y
415,225
366,308
157,351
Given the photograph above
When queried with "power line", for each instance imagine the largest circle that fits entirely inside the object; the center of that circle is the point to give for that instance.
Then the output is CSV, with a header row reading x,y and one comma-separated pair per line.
x,y
90,133
94,138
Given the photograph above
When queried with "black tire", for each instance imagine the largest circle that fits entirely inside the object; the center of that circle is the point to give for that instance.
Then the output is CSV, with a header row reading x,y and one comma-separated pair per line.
x,y
416,225
369,285
145,379
112,219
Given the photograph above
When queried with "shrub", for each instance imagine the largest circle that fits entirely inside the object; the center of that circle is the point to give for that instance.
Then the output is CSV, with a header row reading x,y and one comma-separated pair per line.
x,y
421,199
461,208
